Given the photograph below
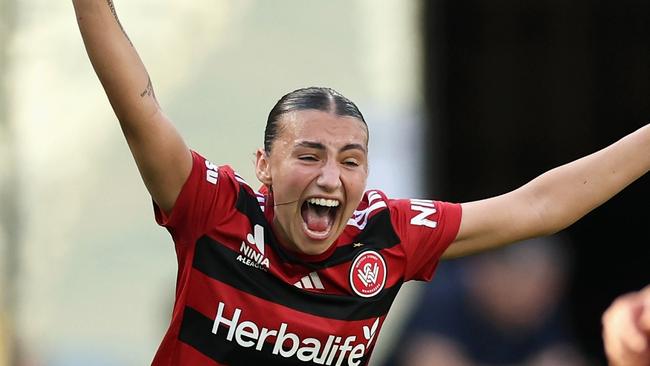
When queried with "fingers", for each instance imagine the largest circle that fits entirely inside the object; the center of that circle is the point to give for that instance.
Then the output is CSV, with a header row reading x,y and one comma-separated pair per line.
x,y
634,339
626,329
644,316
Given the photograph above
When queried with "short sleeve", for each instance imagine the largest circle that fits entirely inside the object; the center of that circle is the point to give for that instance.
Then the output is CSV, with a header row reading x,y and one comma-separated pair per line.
x,y
207,198
426,229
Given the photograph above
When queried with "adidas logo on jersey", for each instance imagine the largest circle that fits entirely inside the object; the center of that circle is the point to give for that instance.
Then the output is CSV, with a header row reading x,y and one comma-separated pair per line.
x,y
252,250
310,281
335,350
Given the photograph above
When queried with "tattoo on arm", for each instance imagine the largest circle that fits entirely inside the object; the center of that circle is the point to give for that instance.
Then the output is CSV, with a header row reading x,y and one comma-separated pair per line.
x,y
148,91
112,7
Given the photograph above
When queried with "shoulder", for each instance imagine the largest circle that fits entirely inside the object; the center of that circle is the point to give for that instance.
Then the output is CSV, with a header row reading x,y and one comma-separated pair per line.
x,y
375,201
213,172
372,202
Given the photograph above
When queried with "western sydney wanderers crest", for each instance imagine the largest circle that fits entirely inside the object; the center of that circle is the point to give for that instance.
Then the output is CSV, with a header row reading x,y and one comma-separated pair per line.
x,y
368,273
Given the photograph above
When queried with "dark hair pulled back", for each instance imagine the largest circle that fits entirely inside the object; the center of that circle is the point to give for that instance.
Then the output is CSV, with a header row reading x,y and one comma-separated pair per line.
x,y
319,98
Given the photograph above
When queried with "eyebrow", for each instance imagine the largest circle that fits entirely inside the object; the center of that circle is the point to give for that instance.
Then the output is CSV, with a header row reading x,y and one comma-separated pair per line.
x,y
320,146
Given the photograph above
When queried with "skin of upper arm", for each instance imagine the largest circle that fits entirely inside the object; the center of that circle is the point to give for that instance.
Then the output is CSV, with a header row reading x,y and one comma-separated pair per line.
x,y
163,159
496,221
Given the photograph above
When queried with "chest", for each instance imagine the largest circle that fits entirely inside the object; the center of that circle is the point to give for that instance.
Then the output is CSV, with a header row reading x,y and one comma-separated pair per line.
x,y
248,299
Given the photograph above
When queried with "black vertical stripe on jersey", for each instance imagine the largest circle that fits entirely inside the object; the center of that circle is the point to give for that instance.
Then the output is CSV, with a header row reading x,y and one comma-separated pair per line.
x,y
196,331
378,234
220,263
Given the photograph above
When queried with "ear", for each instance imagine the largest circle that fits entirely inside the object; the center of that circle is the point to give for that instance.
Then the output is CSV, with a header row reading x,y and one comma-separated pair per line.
x,y
263,167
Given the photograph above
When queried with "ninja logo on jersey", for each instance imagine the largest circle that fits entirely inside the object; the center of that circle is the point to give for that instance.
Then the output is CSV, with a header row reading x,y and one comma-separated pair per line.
x,y
252,253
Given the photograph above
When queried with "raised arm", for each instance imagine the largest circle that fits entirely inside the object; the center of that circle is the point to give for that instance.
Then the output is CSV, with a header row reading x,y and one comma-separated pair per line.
x,y
163,159
555,199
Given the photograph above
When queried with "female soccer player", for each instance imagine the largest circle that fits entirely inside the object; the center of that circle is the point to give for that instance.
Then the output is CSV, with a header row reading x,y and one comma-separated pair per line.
x,y
305,270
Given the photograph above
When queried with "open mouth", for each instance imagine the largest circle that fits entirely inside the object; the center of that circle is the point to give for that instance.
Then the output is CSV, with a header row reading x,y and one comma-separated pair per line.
x,y
318,215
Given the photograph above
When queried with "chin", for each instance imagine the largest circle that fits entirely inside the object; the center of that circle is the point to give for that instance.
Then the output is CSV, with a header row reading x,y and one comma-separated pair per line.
x,y
314,248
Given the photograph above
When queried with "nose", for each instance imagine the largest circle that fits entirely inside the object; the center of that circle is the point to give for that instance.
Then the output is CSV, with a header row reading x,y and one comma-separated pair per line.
x,y
330,176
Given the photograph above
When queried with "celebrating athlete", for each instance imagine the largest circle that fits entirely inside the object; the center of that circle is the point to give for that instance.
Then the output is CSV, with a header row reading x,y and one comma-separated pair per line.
x,y
305,270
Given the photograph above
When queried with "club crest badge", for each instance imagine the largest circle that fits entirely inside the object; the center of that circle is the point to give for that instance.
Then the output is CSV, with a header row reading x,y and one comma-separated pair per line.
x,y
368,273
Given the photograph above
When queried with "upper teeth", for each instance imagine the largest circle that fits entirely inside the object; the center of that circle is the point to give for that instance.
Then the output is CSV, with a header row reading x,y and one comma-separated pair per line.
x,y
323,202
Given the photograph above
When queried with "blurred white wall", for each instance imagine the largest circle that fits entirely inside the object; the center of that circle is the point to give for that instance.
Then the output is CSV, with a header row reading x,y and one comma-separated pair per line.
x,y
96,273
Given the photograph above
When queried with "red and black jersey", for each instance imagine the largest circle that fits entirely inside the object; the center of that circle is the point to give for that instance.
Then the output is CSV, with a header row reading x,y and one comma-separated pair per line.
x,y
243,299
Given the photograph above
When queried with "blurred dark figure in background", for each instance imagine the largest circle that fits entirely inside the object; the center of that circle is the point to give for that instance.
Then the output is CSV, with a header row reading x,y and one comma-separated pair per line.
x,y
499,308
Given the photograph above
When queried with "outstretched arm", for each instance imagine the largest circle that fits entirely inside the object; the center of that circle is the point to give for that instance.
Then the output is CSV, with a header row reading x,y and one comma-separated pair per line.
x,y
555,199
163,159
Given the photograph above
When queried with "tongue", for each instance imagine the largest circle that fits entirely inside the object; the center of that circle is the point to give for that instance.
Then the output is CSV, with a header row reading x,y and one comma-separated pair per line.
x,y
315,221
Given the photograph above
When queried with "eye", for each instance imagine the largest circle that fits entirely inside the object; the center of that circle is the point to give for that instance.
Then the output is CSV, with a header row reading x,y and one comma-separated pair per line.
x,y
351,163
307,158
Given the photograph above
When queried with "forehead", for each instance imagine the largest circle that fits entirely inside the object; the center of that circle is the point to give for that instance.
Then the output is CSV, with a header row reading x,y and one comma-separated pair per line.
x,y
323,127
